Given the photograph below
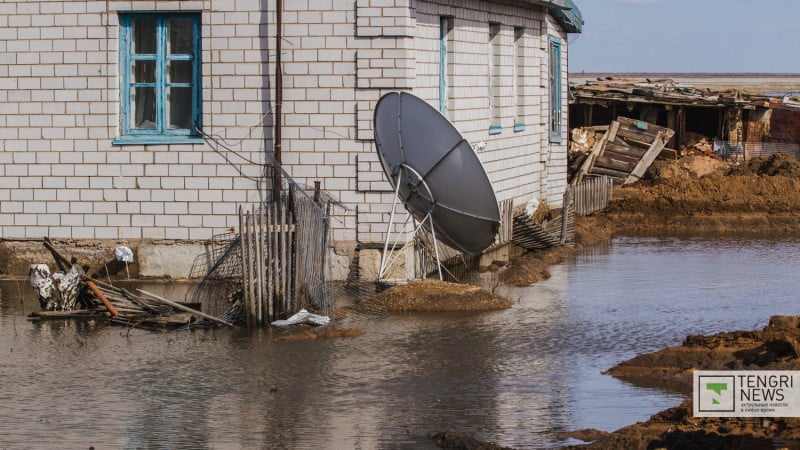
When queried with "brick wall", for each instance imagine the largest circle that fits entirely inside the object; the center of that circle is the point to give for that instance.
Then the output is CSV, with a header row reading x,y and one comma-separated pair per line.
x,y
61,176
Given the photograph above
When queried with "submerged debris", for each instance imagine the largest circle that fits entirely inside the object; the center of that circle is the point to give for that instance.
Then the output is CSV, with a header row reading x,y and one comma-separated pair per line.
x,y
72,294
56,291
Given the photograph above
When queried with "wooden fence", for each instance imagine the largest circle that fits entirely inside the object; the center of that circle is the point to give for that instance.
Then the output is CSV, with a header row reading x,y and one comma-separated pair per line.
x,y
592,195
268,246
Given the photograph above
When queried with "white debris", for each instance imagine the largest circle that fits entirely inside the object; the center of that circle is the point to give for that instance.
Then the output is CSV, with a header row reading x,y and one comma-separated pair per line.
x,y
303,316
57,291
123,254
531,207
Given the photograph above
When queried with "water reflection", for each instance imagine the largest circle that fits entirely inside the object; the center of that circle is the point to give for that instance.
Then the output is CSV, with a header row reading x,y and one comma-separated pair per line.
x,y
514,377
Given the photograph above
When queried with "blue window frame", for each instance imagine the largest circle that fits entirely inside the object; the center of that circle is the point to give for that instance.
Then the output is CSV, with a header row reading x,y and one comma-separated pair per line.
x,y
445,63
556,113
160,73
495,79
519,79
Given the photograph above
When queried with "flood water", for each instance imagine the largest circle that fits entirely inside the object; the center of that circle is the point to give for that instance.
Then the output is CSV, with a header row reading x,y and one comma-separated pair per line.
x,y
515,377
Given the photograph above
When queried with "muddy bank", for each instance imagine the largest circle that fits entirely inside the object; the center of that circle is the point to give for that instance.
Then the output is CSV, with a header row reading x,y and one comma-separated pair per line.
x,y
775,347
675,428
694,195
531,267
702,195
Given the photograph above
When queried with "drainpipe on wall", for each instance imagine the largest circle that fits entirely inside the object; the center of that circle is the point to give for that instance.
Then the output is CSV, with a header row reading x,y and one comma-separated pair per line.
x,y
276,188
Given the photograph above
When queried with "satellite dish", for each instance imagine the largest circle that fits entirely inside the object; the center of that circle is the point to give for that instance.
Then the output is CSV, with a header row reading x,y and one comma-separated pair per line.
x,y
435,172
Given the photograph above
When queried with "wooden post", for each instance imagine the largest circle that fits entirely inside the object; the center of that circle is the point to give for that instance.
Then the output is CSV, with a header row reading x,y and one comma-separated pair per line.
x,y
270,270
245,268
257,265
99,294
284,305
262,265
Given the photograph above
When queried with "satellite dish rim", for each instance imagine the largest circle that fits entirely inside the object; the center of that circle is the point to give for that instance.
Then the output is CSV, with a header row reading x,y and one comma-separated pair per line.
x,y
394,168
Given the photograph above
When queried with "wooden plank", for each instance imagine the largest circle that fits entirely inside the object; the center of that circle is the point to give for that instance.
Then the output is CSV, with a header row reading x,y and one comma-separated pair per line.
x,y
624,149
245,272
284,272
270,269
622,158
597,150
613,129
186,309
259,241
610,172
652,128
615,164
75,314
651,155
636,138
99,294
262,265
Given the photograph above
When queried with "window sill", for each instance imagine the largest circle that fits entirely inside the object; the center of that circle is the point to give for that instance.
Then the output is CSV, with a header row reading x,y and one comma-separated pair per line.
x,y
166,140
495,130
519,127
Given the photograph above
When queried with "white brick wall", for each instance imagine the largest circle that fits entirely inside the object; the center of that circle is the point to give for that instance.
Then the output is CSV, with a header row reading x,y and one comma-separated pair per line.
x,y
59,90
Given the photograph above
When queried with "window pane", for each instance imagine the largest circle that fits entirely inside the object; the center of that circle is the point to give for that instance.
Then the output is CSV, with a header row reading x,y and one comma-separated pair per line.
x,y
144,72
143,100
179,107
144,36
180,37
179,71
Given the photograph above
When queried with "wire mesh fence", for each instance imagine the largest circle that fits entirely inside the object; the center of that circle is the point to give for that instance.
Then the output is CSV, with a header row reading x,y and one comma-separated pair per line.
x,y
746,151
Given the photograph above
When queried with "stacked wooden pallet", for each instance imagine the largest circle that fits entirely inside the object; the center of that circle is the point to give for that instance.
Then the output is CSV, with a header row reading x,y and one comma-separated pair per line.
x,y
626,150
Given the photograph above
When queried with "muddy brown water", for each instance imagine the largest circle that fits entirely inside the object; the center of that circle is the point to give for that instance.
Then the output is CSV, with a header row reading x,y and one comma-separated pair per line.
x,y
515,377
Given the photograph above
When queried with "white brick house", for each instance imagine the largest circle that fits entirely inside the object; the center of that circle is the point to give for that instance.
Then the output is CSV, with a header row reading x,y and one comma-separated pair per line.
x,y
101,102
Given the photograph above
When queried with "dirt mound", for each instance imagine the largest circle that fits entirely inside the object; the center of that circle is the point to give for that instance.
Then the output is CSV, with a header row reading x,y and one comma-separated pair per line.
x,y
676,428
779,164
697,194
692,166
439,296
776,347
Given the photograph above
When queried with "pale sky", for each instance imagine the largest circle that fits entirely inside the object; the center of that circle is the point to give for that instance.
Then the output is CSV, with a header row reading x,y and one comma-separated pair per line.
x,y
687,36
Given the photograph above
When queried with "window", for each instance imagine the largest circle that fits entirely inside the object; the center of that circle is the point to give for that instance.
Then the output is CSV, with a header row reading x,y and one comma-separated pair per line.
x,y
495,79
446,66
555,90
160,77
519,79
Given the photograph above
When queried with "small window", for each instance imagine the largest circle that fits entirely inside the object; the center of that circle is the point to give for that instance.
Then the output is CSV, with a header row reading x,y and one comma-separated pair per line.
x,y
556,113
160,71
495,78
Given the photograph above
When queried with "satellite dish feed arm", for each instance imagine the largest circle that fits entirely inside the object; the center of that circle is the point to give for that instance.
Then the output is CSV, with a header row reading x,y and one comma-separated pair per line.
x,y
444,156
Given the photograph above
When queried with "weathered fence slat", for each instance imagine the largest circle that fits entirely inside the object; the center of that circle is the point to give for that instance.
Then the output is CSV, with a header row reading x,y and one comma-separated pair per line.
x,y
269,251
592,195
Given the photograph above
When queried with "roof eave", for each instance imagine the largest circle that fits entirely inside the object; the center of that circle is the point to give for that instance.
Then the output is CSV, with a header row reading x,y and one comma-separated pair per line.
x,y
566,12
